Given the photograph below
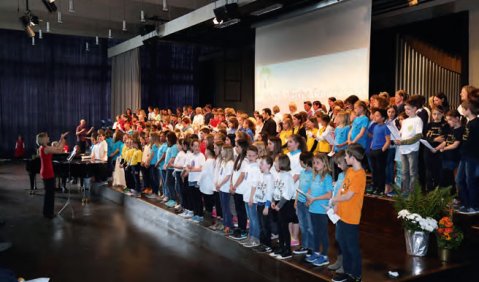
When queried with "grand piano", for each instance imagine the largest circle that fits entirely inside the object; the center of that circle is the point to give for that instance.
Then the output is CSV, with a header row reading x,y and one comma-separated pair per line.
x,y
76,168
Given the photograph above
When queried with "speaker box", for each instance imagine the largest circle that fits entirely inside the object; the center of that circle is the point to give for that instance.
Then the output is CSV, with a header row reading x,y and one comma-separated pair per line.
x,y
227,12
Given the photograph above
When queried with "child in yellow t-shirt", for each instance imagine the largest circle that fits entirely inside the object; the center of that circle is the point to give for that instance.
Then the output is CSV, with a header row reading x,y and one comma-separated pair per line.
x,y
135,166
349,204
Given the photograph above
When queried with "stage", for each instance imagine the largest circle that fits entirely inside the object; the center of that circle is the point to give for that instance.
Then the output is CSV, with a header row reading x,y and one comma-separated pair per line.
x,y
120,238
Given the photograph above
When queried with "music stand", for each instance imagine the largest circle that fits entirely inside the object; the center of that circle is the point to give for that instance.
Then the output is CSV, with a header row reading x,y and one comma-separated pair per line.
x,y
68,202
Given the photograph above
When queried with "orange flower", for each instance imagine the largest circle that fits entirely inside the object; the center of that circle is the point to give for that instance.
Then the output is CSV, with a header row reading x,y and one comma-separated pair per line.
x,y
440,230
448,230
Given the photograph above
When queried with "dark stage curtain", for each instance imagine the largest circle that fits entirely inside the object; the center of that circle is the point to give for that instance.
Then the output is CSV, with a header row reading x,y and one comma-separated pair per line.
x,y
50,87
169,74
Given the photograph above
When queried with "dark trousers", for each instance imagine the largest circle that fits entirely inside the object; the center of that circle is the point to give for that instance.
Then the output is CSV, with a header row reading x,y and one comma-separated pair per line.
x,y
240,211
219,211
320,233
285,215
467,183
49,199
196,199
209,201
135,173
347,236
378,162
154,175
130,182
32,181
433,163
179,187
145,172
264,226
170,185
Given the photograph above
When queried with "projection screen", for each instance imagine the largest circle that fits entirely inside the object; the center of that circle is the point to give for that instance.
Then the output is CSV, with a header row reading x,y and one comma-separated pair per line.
x,y
314,56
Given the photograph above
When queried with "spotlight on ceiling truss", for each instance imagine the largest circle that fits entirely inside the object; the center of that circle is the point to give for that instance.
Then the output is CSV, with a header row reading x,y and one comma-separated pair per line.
x,y
50,5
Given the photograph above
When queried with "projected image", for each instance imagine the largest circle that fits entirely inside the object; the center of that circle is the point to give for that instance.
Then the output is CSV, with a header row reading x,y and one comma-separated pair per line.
x,y
317,78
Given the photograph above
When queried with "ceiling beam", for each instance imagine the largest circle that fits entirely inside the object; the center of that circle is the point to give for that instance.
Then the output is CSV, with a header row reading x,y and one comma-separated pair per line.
x,y
193,18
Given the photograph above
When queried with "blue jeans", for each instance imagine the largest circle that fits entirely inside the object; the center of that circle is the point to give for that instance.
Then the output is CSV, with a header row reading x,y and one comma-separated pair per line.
x,y
390,165
154,179
347,235
225,208
163,183
178,184
305,225
170,185
467,183
320,233
409,171
252,213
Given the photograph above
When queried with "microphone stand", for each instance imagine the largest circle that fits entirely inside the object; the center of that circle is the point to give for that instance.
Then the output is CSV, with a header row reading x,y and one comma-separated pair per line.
x,y
68,202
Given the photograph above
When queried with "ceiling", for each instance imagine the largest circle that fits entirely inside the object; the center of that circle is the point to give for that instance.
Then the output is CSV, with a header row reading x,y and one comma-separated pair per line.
x,y
95,17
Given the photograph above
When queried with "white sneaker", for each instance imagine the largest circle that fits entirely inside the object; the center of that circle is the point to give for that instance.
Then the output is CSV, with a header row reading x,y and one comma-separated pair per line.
x,y
177,207
184,213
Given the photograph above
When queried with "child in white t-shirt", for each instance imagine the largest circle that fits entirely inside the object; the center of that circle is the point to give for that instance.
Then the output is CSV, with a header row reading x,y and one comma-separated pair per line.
x,y
222,185
206,183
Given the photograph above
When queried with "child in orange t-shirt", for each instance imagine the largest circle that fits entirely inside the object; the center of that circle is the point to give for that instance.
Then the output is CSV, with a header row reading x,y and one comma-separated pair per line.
x,y
349,204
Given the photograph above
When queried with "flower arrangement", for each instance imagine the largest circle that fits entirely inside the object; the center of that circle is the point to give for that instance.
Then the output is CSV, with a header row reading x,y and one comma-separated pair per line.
x,y
448,235
415,222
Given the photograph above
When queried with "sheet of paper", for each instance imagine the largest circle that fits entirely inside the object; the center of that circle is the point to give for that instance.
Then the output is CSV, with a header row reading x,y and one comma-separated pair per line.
x,y
425,143
332,216
395,135
302,193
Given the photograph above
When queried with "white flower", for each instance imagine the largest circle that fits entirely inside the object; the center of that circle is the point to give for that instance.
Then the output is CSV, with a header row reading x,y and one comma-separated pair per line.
x,y
403,213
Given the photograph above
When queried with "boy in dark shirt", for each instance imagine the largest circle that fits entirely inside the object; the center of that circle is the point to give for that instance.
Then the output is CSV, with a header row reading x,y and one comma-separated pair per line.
x,y
467,174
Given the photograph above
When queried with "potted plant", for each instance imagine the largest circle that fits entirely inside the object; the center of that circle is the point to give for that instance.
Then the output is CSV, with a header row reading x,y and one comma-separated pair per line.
x,y
419,213
449,238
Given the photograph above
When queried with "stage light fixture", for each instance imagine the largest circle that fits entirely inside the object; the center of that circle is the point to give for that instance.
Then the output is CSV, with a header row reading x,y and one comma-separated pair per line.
x,y
59,17
87,47
165,6
40,34
226,15
33,40
97,40
50,5
29,21
109,34
47,29
124,26
71,7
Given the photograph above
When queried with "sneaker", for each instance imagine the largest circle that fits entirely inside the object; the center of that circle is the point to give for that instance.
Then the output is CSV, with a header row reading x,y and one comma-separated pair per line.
x,y
188,214
461,209
128,193
337,264
199,219
170,204
177,207
151,195
220,227
340,270
246,242
274,236
195,218
276,252
285,255
354,279
294,243
213,226
239,235
472,211
300,251
184,213
251,244
341,277
322,260
391,194
263,249
312,257
309,253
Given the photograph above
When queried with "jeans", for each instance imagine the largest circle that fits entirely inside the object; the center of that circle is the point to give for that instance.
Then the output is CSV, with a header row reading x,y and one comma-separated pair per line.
x,y
398,178
467,183
49,198
378,162
320,233
347,235
170,185
225,207
265,226
252,213
154,179
390,165
305,225
409,171
178,184
163,183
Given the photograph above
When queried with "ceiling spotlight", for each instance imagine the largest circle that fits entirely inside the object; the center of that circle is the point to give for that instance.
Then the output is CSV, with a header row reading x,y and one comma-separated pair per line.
x,y
71,7
97,40
165,6
226,15
29,21
215,21
47,29
87,47
124,26
50,4
33,41
40,34
59,17
109,34
142,16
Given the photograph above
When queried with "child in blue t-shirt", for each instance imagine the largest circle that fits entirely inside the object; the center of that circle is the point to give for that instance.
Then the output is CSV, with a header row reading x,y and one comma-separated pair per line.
x,y
321,191
304,218
341,131
380,142
357,134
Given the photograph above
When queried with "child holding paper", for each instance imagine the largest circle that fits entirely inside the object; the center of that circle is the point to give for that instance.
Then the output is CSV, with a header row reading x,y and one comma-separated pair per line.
x,y
411,133
320,191
349,205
